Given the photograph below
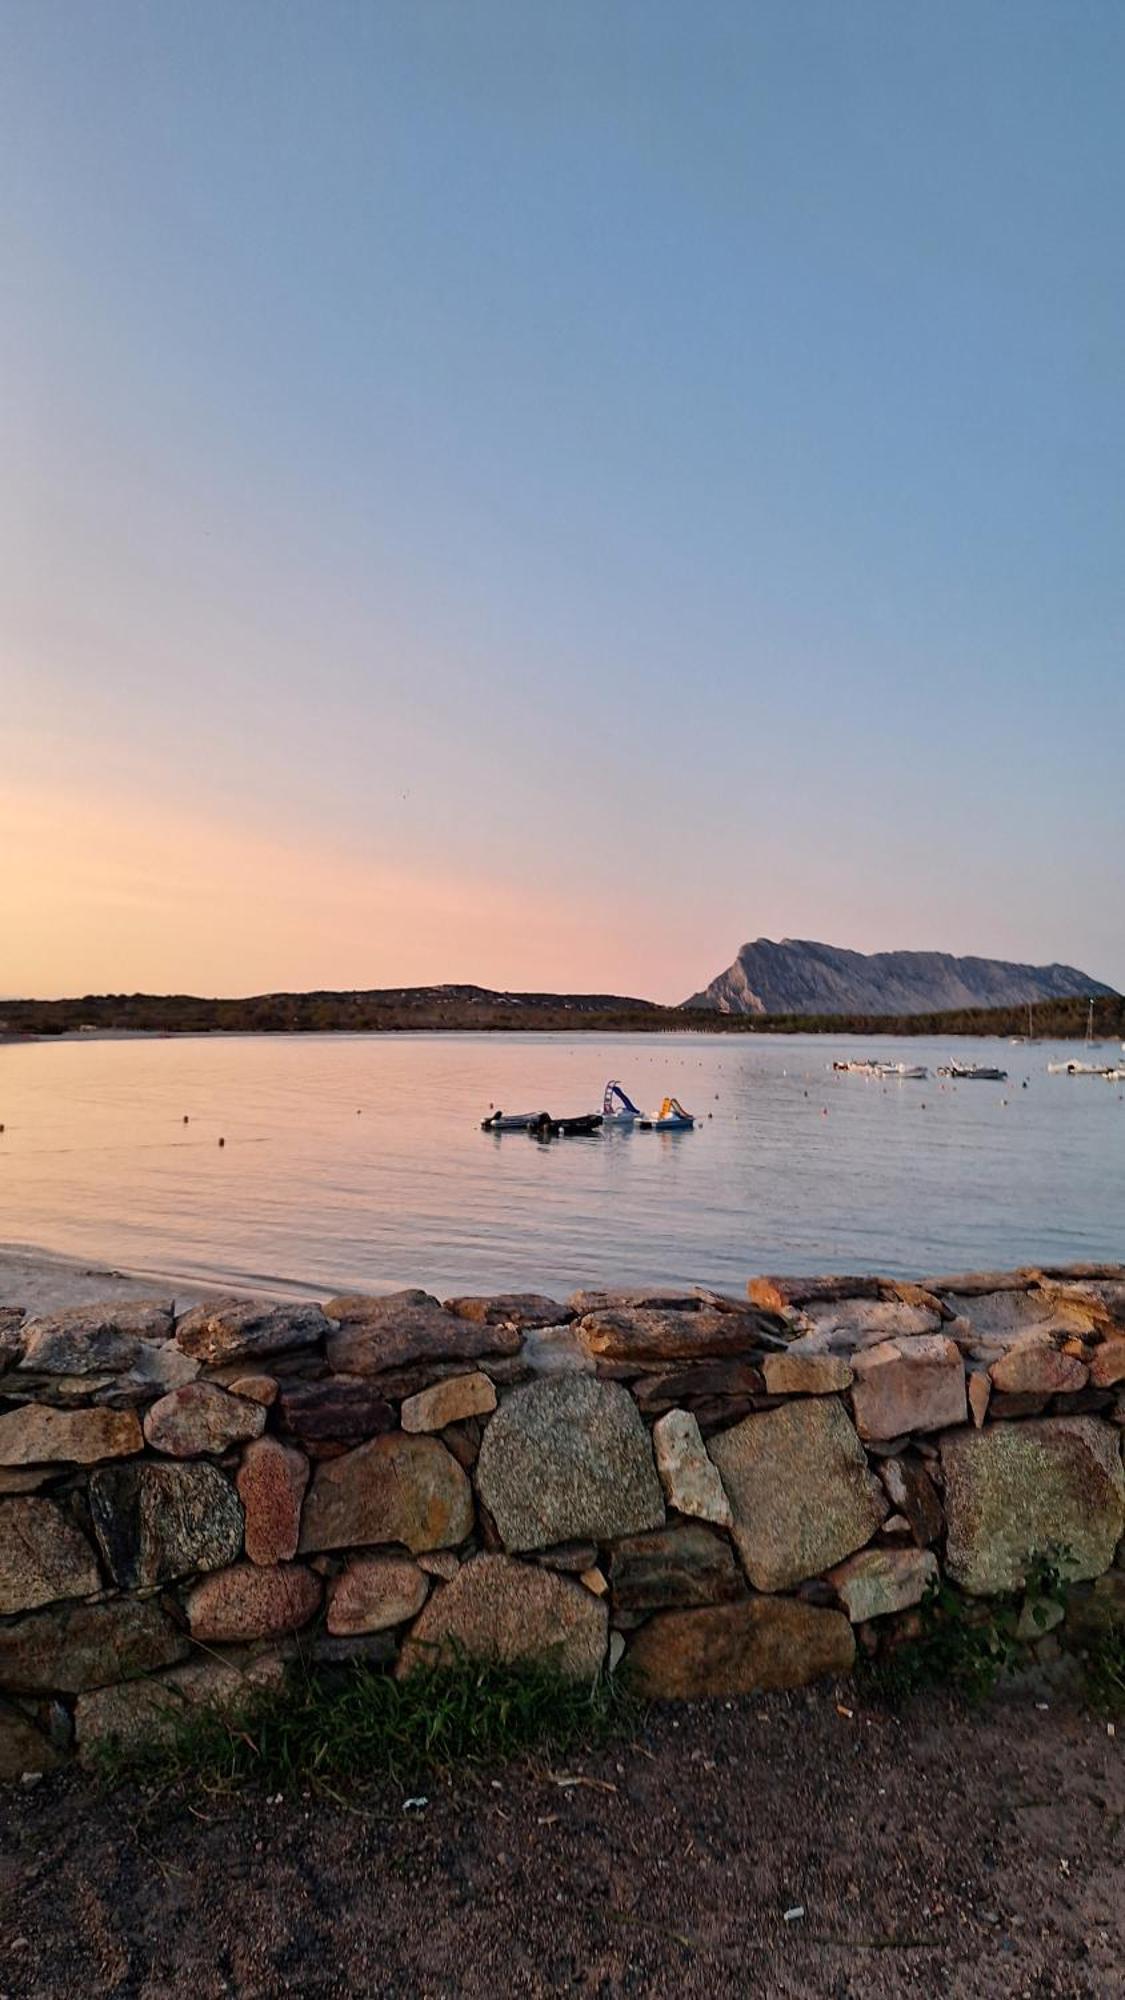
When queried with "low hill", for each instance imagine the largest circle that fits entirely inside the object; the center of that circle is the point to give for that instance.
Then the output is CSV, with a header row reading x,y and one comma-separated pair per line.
x,y
797,976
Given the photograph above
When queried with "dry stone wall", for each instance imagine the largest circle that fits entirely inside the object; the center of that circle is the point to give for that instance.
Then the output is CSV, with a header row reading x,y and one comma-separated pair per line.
x,y
731,1494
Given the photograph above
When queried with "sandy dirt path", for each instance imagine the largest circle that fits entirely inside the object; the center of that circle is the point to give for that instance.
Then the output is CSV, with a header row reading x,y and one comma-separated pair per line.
x,y
936,1852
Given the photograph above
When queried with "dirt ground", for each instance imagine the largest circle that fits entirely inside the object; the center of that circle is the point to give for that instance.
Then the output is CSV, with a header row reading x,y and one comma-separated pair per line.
x,y
933,1851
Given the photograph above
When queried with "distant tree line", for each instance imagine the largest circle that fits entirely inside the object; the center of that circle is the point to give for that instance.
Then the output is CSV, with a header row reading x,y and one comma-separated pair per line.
x,y
463,1008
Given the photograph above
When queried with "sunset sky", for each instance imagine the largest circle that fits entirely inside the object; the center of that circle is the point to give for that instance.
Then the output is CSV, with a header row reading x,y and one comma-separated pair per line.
x,y
540,494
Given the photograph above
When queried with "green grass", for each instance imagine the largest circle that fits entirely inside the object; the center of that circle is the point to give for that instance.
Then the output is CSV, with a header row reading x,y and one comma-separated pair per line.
x,y
358,1724
966,1645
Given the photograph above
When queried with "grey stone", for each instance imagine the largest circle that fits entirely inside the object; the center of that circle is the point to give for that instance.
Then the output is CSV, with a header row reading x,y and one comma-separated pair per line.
x,y
157,1522
1017,1490
234,1329
43,1556
691,1482
95,1340
380,1334
800,1491
70,1647
878,1581
499,1609
201,1418
566,1458
145,1712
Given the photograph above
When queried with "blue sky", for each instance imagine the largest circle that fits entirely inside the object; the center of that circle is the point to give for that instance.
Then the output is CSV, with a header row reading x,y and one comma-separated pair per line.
x,y
542,494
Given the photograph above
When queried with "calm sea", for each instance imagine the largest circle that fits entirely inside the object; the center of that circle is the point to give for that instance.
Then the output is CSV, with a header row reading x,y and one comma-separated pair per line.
x,y
357,1161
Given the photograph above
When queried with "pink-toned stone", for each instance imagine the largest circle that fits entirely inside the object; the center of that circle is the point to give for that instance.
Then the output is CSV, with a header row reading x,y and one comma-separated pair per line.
x,y
255,1388
979,1390
1035,1369
43,1556
449,1402
911,1384
499,1609
441,1563
201,1418
245,1602
38,1434
805,1374
1107,1364
374,1593
271,1486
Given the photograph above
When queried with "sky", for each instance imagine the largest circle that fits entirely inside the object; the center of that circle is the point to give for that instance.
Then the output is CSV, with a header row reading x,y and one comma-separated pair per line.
x,y
540,495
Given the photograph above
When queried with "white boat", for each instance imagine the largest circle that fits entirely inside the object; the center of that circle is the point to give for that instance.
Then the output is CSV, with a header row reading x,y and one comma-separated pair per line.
x,y
1075,1068
864,1066
617,1106
908,1072
671,1117
963,1072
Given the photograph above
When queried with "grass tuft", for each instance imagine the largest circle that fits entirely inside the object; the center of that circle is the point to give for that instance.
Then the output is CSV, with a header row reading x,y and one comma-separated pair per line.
x,y
356,1724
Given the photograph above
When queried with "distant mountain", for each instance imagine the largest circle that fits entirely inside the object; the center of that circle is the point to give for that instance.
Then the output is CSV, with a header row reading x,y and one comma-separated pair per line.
x,y
797,976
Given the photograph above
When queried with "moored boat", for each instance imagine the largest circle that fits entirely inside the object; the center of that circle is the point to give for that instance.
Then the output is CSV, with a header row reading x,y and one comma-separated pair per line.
x,y
671,1117
617,1106
973,1072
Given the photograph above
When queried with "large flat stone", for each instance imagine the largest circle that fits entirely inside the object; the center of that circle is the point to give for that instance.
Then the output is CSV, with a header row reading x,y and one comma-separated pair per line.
x,y
909,1384
1005,1316
691,1482
734,1649
380,1334
673,1567
158,1522
40,1435
568,1457
878,1581
649,1333
201,1418
498,1609
851,1325
234,1329
43,1556
103,1339
800,1490
272,1480
246,1602
75,1646
375,1593
1016,1490
408,1490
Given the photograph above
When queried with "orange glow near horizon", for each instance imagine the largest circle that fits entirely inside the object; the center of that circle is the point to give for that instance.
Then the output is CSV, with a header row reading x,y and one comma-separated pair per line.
x,y
129,895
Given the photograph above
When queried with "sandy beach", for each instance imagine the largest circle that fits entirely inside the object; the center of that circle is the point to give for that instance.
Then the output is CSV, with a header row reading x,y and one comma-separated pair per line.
x,y
43,1281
